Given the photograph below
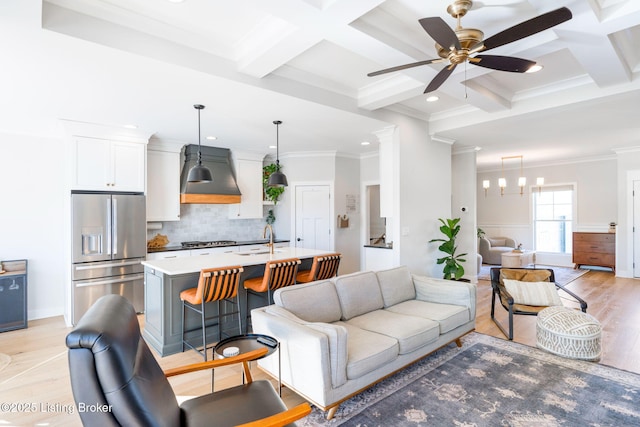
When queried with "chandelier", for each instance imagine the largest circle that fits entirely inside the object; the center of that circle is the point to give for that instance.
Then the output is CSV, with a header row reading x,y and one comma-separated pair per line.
x,y
502,181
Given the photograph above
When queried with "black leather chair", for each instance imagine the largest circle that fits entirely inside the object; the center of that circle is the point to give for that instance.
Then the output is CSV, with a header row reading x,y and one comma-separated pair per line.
x,y
499,292
115,375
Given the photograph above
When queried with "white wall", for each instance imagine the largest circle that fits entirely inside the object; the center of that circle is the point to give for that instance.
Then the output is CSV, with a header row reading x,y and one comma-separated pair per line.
x,y
463,194
34,218
347,183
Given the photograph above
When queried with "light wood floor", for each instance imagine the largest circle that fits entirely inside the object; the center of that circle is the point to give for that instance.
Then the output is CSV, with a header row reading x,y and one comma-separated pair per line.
x,y
39,375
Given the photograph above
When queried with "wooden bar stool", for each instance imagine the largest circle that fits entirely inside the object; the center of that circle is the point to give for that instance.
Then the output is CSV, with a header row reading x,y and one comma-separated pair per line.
x,y
323,267
214,284
277,274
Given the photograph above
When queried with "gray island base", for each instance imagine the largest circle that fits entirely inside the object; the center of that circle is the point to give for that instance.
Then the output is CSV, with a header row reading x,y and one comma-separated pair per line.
x,y
164,279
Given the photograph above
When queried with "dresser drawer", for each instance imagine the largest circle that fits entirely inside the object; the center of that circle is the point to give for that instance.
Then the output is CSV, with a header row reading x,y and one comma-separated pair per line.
x,y
594,259
599,247
595,237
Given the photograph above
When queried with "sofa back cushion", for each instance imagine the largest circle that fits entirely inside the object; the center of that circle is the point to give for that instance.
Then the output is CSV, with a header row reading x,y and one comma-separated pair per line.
x,y
396,285
312,302
497,241
359,293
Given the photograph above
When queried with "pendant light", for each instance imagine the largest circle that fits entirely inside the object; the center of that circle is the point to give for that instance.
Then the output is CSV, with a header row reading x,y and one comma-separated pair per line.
x,y
277,178
199,173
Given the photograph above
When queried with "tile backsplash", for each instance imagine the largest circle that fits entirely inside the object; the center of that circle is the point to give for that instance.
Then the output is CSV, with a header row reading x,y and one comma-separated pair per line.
x,y
209,222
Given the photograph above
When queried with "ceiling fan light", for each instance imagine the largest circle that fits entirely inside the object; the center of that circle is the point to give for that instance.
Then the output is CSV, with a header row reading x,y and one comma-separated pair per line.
x,y
534,68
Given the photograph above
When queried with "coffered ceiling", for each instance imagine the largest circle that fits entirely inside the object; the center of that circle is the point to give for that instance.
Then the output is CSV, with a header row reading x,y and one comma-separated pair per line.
x,y
305,62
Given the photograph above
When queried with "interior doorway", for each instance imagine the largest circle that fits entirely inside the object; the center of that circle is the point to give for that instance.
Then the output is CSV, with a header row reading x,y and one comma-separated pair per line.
x,y
313,217
636,228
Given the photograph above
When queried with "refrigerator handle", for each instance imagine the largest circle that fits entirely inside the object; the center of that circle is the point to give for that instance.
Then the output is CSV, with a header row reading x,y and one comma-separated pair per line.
x,y
114,219
109,225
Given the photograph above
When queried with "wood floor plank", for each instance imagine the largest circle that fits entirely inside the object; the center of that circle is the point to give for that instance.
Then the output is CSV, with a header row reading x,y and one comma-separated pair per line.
x,y
39,374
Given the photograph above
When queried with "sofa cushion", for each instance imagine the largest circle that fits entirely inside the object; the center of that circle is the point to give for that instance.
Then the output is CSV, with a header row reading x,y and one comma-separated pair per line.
x,y
396,285
497,242
367,351
359,293
411,332
313,302
448,316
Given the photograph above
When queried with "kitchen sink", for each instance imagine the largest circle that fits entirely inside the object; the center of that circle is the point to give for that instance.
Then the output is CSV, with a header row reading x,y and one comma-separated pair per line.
x,y
257,252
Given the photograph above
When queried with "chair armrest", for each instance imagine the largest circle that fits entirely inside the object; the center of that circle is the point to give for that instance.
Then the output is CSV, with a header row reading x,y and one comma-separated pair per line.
x,y
282,418
510,242
583,303
216,363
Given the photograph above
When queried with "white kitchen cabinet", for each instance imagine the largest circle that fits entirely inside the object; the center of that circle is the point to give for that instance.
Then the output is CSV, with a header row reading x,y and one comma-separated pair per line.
x,y
106,165
163,182
248,170
211,251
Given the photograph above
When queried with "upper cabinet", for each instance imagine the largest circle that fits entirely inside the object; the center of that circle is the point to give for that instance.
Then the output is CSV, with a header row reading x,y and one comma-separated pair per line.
x,y
248,171
163,181
108,165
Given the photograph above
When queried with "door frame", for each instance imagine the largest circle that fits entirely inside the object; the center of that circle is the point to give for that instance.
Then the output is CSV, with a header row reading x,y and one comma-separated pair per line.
x,y
332,224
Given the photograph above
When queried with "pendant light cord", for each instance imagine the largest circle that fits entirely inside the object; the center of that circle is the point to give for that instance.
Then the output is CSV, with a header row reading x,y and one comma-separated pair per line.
x,y
199,148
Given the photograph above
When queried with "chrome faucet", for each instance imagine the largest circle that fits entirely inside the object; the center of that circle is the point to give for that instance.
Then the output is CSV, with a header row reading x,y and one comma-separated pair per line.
x,y
264,236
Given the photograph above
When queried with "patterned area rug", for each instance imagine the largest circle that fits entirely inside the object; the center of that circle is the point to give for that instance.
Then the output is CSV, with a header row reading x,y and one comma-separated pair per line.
x,y
493,382
5,359
563,275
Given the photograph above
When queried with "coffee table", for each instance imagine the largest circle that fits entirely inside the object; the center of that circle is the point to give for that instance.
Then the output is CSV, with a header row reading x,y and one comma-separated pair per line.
x,y
515,259
249,342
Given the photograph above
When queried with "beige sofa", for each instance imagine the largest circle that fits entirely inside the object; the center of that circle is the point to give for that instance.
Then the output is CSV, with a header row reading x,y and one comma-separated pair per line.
x,y
491,248
340,336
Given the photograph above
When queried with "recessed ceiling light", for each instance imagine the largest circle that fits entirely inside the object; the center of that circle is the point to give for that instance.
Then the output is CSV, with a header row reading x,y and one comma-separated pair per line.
x,y
535,68
131,126
432,98
211,138
176,1
365,143
273,147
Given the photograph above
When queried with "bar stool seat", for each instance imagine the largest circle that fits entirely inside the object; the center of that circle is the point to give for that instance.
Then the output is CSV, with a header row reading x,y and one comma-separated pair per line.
x,y
323,267
218,285
277,274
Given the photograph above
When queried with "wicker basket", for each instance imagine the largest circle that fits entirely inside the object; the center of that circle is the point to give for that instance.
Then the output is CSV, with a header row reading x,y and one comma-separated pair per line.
x,y
569,333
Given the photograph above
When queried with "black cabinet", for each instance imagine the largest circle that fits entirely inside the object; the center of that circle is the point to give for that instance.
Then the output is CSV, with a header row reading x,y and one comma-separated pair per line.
x,y
13,295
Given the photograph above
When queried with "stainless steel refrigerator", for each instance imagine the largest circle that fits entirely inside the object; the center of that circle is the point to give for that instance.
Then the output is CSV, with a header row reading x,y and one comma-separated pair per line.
x,y
108,243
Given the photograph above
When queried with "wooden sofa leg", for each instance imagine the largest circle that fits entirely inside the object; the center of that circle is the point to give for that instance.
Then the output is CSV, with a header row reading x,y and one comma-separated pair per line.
x,y
332,412
458,342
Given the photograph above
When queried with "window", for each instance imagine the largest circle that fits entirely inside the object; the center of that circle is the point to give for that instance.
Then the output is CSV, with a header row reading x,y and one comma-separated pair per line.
x,y
553,214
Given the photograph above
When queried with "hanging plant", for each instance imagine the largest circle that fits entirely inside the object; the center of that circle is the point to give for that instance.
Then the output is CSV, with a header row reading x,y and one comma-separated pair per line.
x,y
271,194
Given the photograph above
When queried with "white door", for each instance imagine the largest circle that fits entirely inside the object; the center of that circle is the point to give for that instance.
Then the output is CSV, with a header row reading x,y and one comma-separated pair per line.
x,y
313,229
636,228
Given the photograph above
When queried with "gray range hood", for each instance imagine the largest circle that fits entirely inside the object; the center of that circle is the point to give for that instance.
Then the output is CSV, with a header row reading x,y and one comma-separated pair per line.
x,y
223,188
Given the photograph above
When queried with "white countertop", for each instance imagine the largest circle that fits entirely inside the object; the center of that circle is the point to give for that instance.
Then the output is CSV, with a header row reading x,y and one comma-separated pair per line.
x,y
193,264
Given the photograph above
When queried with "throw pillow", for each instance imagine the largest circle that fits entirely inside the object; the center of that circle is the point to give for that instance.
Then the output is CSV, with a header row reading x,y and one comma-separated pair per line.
x,y
533,293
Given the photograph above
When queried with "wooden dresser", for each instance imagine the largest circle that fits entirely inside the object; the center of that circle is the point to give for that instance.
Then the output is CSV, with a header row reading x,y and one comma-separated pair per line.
x,y
597,249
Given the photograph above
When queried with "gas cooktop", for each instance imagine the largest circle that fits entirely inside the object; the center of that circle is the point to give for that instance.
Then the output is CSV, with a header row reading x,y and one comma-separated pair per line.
x,y
210,244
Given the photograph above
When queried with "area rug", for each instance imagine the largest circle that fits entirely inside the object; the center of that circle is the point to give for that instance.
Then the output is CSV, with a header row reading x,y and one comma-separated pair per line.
x,y
494,382
5,359
563,275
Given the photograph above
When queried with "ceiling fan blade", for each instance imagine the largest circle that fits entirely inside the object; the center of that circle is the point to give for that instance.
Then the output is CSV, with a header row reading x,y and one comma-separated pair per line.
x,y
528,28
502,63
440,32
404,67
440,78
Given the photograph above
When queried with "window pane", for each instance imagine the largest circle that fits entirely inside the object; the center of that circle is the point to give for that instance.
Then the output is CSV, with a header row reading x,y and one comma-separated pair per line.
x,y
553,212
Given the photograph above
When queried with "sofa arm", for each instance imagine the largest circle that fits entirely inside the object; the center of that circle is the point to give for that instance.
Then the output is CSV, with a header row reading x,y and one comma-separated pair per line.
x,y
510,242
446,292
314,354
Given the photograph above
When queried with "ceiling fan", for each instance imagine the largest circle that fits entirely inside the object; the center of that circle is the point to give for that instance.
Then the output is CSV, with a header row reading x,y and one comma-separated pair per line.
x,y
457,46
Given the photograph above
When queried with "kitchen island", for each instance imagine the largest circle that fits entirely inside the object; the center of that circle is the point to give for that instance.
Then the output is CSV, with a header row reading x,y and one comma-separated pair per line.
x,y
164,279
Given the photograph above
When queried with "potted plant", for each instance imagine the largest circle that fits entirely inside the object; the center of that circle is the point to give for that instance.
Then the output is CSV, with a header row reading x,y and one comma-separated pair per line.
x,y
453,270
271,194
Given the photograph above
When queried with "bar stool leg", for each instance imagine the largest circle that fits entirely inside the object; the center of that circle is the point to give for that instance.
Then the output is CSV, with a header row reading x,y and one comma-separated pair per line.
x,y
204,333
